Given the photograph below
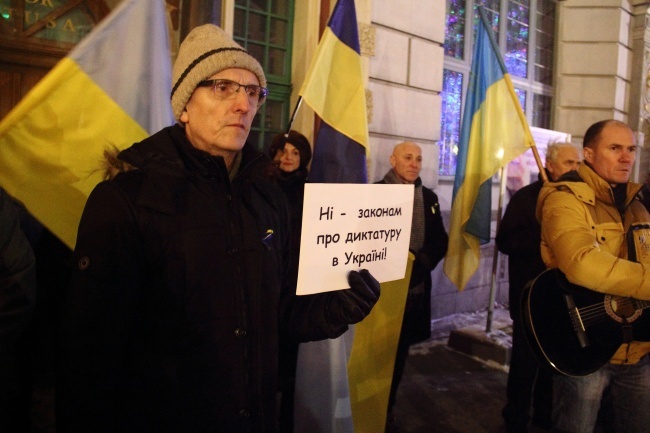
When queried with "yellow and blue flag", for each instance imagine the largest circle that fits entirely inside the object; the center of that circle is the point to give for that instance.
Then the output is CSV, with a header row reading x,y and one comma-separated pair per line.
x,y
343,384
335,90
494,132
112,89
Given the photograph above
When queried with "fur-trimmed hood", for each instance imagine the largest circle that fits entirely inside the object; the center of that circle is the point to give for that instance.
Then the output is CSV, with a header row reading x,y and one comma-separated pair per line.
x,y
112,165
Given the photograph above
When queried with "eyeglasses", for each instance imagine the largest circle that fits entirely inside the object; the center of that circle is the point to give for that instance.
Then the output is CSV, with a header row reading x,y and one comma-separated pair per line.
x,y
227,89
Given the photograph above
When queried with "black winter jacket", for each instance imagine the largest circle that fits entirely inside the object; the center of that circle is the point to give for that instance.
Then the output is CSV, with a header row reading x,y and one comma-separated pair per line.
x,y
17,304
180,292
519,236
416,325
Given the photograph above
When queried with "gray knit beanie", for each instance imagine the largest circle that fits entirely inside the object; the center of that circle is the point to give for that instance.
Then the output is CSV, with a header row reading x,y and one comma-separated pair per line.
x,y
206,50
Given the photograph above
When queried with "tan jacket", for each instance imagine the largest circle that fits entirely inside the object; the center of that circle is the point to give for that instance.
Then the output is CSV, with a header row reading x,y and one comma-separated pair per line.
x,y
584,236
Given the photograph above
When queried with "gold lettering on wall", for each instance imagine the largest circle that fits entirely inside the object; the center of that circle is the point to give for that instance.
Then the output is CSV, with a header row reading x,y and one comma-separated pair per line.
x,y
69,26
47,3
31,18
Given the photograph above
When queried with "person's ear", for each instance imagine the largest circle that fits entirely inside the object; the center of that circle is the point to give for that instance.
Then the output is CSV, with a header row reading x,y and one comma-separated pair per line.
x,y
588,154
392,161
549,167
184,117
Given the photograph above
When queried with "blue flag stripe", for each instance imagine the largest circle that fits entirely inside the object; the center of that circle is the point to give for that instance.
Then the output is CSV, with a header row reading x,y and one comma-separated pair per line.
x,y
139,88
343,23
477,90
337,158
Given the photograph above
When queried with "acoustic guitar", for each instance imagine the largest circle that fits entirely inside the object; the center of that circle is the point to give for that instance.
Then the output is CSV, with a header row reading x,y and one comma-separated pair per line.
x,y
576,331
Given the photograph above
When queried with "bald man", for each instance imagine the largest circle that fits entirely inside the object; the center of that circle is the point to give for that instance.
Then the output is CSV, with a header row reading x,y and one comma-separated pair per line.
x,y
429,245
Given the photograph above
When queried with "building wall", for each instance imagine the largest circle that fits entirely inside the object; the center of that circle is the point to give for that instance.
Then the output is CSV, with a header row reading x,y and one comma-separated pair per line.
x,y
602,68
405,80
601,64
404,83
593,63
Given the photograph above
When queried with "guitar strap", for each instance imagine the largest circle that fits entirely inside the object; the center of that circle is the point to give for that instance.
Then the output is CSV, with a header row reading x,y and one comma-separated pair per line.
x,y
638,247
638,242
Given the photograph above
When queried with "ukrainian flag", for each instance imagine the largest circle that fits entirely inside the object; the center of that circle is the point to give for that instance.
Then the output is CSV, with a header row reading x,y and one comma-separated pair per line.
x,y
342,384
111,90
494,132
334,89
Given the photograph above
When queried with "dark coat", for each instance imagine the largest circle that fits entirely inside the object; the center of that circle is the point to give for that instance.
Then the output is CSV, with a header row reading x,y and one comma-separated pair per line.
x,y
519,236
17,277
416,325
17,302
293,186
181,291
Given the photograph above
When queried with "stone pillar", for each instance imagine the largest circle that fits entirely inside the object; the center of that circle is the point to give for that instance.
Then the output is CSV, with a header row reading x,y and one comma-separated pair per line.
x,y
639,112
594,73
405,81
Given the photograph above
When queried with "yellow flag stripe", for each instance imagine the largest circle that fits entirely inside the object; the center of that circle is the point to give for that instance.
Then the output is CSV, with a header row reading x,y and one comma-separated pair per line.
x,y
334,88
462,259
49,156
496,136
372,358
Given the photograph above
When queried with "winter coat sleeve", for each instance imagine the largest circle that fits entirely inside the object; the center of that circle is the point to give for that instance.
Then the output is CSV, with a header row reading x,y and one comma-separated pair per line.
x,y
588,253
17,276
100,312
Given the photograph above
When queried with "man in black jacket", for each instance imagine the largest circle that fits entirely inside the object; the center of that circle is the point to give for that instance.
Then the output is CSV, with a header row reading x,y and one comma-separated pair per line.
x,y
182,285
17,301
519,236
429,245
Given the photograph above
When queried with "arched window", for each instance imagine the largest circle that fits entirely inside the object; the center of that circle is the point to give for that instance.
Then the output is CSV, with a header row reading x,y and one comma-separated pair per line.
x,y
265,29
525,31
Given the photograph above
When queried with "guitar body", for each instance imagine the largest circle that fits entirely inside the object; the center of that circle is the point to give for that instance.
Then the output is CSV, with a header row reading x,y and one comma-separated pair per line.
x,y
576,331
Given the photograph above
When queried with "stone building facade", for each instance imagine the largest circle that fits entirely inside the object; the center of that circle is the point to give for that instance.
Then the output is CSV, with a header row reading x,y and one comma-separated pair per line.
x,y
601,70
602,66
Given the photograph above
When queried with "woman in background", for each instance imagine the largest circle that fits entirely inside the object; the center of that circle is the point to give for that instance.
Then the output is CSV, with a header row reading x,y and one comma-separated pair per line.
x,y
291,154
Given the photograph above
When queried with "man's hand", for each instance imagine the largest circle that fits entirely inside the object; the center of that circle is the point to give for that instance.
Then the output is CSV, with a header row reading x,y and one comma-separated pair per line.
x,y
353,305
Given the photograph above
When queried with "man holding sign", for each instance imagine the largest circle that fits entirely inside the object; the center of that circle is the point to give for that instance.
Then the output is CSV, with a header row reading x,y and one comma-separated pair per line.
x,y
183,285
428,243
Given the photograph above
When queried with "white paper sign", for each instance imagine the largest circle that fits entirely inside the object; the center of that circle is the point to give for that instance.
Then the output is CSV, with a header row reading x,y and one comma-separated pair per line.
x,y
350,227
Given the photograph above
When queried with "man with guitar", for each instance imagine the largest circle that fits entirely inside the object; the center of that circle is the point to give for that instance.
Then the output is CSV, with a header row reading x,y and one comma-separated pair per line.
x,y
519,236
594,232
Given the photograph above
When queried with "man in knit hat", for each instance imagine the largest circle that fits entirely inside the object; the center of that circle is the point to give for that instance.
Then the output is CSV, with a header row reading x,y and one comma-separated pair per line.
x,y
429,245
181,288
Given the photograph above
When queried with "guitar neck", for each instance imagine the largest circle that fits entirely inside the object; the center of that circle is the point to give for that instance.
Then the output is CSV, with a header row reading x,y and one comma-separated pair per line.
x,y
641,305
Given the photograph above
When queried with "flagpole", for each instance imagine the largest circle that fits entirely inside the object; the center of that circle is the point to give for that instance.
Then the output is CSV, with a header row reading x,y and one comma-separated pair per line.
x,y
538,160
495,258
293,116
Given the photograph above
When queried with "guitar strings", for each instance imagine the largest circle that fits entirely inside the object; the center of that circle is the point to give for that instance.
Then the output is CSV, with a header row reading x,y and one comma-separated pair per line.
x,y
594,313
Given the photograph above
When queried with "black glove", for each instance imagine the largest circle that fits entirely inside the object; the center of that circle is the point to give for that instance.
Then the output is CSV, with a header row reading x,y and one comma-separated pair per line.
x,y
353,305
